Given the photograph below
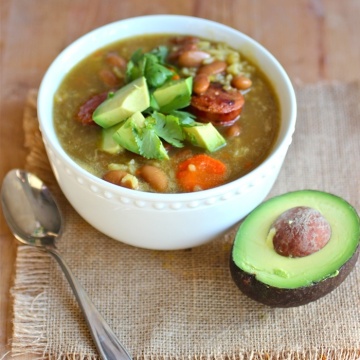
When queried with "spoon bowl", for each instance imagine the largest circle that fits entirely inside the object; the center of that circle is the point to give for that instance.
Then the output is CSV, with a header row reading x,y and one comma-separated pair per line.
x,y
35,219
30,209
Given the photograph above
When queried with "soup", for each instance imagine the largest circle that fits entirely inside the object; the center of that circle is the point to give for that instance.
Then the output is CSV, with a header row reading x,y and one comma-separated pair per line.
x,y
211,116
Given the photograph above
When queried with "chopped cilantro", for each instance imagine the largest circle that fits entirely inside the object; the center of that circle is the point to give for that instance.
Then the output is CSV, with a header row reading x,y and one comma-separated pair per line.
x,y
156,74
147,137
151,65
185,118
161,52
168,128
150,145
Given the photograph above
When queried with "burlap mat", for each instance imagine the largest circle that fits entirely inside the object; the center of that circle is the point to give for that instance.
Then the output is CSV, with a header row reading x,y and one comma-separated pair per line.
x,y
183,304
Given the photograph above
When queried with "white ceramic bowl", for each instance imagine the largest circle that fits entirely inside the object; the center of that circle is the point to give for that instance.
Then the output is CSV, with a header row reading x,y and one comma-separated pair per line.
x,y
163,221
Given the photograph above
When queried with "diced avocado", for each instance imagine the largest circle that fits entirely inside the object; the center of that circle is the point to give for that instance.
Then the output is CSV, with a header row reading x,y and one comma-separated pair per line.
x,y
267,276
153,104
205,136
125,135
108,144
126,101
175,94
136,137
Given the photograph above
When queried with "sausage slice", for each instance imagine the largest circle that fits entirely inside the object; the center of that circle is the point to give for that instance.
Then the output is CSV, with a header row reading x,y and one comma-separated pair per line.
x,y
86,110
217,105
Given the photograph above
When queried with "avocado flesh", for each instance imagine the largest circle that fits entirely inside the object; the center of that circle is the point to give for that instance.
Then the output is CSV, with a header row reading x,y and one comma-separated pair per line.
x,y
108,144
253,252
131,98
124,134
205,136
173,95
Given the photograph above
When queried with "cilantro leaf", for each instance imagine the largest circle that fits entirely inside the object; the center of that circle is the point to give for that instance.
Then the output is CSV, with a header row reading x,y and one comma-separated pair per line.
x,y
156,74
137,56
136,66
185,118
150,145
168,128
161,53
151,65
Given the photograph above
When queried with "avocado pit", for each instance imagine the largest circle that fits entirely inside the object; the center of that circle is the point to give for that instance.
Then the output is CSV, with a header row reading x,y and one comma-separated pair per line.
x,y
300,231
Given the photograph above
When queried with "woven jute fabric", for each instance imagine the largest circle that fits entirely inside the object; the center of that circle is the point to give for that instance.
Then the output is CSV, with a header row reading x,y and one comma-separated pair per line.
x,y
183,304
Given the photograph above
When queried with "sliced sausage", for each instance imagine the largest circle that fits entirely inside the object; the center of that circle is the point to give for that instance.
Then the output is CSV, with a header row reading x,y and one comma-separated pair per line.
x,y
86,110
217,105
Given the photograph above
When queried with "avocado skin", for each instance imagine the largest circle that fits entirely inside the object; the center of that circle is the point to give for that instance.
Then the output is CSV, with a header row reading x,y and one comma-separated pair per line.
x,y
285,298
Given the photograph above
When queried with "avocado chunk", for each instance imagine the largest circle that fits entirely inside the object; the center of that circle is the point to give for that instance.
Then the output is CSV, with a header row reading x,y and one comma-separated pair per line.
x,y
125,134
205,136
175,94
123,103
136,137
108,144
266,276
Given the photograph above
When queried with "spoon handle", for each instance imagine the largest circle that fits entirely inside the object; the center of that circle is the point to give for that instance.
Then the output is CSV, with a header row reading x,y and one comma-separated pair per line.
x,y
105,340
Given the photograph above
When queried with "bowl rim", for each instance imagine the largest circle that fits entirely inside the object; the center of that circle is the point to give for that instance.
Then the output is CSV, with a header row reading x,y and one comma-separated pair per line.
x,y
65,54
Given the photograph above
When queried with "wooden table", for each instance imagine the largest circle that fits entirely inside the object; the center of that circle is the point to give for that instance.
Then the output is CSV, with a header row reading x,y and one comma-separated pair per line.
x,y
315,40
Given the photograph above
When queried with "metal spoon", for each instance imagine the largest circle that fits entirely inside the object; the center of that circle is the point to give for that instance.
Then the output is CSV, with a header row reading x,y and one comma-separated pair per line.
x,y
35,219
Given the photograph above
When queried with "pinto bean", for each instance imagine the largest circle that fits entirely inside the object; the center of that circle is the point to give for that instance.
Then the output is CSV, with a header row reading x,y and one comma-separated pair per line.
x,y
121,178
201,83
233,131
108,77
184,40
155,177
174,55
115,176
192,58
213,68
114,59
241,82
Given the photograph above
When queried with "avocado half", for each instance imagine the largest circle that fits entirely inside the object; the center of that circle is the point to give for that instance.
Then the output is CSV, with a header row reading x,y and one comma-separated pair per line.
x,y
280,281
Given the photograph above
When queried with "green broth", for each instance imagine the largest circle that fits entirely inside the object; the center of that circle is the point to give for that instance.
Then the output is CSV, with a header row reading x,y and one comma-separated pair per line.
x,y
259,121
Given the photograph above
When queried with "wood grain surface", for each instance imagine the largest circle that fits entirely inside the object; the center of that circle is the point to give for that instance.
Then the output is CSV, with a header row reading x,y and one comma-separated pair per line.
x,y
315,40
